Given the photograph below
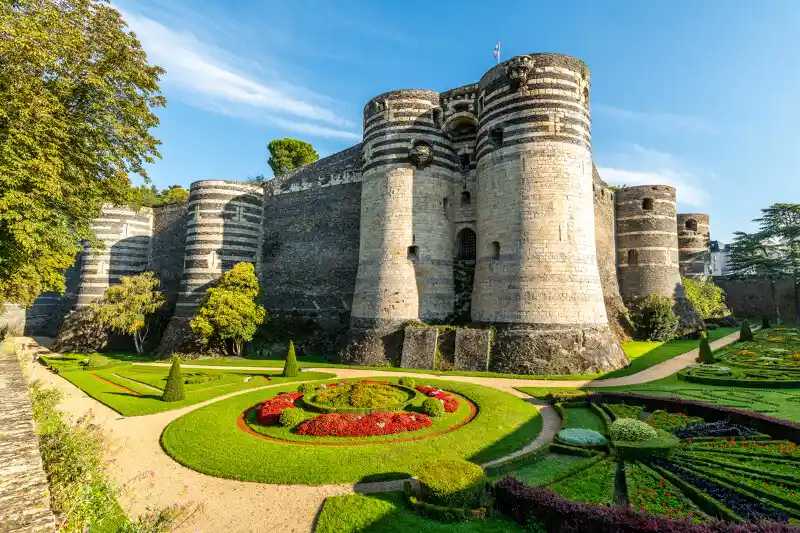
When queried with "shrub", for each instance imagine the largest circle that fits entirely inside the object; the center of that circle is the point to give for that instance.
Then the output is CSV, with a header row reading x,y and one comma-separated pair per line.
x,y
96,361
449,401
306,388
620,410
655,319
745,334
765,323
659,446
407,382
289,418
630,430
291,368
269,411
706,297
705,355
194,379
560,395
433,407
173,392
453,483
581,437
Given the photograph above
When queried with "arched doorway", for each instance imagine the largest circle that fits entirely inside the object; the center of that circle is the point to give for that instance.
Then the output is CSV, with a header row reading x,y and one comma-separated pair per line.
x,y
464,274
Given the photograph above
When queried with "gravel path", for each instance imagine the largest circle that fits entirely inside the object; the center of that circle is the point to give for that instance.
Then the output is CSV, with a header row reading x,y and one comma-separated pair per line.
x,y
150,477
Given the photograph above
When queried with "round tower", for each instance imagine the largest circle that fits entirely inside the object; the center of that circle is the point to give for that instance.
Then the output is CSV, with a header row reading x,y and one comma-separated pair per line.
x,y
126,234
536,276
647,248
405,269
694,254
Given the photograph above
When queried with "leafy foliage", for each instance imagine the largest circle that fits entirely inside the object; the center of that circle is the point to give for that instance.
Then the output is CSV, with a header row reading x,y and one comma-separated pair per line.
x,y
306,388
559,395
229,314
144,196
291,368
407,382
76,107
705,355
96,361
433,407
289,418
124,308
705,297
655,319
289,154
630,430
173,391
620,410
453,483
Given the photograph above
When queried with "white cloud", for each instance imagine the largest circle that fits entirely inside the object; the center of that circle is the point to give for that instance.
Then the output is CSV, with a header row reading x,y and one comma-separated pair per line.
x,y
656,120
644,166
208,77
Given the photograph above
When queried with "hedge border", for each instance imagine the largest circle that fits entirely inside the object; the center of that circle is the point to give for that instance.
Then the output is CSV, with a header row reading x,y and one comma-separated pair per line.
x,y
442,513
574,469
740,382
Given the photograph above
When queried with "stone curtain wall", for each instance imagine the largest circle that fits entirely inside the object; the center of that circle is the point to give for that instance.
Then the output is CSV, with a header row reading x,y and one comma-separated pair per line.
x,y
168,248
752,298
24,493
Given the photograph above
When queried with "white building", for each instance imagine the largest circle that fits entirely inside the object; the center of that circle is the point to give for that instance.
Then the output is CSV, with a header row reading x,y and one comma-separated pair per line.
x,y
720,258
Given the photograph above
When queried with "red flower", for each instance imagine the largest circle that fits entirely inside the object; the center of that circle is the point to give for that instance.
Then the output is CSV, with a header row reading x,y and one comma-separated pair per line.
x,y
449,401
355,425
270,410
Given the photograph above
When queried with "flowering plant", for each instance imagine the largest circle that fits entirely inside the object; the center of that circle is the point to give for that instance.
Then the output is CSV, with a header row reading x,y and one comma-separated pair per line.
x,y
269,411
449,401
358,425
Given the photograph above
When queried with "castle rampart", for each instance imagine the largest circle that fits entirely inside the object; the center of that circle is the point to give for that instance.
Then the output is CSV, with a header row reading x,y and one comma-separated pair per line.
x,y
694,254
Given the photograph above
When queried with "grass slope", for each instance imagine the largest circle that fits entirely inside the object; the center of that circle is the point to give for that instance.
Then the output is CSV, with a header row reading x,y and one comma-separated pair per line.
x,y
389,513
209,441
584,418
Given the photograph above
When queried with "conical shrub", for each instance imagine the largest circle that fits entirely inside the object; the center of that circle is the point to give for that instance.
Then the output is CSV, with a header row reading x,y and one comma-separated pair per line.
x,y
765,323
173,392
745,334
291,368
705,355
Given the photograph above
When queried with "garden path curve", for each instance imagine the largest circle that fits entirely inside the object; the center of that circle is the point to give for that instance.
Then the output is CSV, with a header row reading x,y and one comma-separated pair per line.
x,y
151,478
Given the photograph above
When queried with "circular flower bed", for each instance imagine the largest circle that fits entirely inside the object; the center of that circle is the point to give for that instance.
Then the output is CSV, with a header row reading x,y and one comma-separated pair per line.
x,y
359,397
363,425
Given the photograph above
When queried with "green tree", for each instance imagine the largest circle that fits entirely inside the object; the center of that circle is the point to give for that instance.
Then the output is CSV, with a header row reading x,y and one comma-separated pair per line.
x,y
174,195
705,355
289,154
781,224
124,308
706,297
173,391
144,196
76,108
755,255
745,333
291,368
229,314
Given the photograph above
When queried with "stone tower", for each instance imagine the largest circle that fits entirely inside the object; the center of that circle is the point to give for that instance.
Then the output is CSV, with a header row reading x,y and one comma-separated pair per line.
x,y
536,277
694,254
647,248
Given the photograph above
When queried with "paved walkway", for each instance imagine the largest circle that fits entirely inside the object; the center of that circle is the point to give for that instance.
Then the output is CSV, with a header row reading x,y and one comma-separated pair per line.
x,y
150,477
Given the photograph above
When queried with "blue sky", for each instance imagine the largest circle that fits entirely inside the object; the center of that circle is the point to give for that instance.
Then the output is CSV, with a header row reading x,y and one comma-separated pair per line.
x,y
702,95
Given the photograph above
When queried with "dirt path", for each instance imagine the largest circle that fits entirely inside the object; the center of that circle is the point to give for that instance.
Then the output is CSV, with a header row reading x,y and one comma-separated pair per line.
x,y
151,478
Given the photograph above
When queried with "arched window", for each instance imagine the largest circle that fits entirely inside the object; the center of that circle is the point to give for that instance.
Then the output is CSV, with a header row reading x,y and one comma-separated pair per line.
x,y
495,250
691,224
413,253
466,199
633,257
466,245
647,204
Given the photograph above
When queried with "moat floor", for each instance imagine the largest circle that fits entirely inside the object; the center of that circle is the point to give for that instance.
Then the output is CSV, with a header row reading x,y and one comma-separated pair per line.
x,y
151,478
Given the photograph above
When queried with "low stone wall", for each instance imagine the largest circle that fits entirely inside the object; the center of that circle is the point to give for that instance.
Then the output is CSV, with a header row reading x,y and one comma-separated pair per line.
x,y
24,493
419,348
752,298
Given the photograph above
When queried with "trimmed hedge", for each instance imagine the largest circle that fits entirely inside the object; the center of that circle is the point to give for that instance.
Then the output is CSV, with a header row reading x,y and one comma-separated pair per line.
x,y
433,407
289,418
173,391
291,368
407,382
745,333
451,483
96,361
306,388
630,430
558,395
602,414
659,446
581,437
524,503
621,410
439,512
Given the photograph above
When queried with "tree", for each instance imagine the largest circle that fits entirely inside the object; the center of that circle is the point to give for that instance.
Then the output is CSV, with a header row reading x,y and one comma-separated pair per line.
x,y
289,154
706,297
173,391
705,355
124,308
76,108
745,333
229,314
174,195
291,368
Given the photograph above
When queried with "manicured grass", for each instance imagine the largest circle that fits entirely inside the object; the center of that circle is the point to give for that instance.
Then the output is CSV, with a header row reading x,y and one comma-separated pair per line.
x,y
546,468
209,441
389,513
584,418
148,382
594,485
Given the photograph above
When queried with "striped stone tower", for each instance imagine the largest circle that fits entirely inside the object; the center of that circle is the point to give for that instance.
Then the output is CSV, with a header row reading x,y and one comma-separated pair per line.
x,y
647,248
405,268
694,252
126,234
536,277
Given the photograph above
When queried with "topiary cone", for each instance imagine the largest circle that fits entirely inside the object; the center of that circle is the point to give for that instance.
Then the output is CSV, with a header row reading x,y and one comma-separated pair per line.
x,y
765,323
173,392
705,355
745,334
291,368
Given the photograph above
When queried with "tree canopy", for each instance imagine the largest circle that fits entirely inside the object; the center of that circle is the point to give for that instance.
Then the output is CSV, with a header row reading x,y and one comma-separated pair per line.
x,y
145,196
289,154
76,108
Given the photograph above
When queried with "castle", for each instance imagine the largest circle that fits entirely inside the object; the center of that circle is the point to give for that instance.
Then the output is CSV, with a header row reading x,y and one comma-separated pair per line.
x,y
479,206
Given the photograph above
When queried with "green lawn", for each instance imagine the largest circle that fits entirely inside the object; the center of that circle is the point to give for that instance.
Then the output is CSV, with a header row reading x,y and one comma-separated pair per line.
x,y
547,467
208,440
389,513
148,382
584,418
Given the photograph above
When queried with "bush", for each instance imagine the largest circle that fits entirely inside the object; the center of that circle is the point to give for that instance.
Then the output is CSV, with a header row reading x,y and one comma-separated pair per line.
x,y
291,368
705,355
453,483
765,323
306,388
706,297
96,361
659,446
289,418
630,430
581,437
433,407
559,395
173,392
745,334
407,382
655,319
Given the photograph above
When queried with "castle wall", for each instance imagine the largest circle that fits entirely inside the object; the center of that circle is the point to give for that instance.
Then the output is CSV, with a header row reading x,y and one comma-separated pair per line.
x,y
168,249
754,299
694,236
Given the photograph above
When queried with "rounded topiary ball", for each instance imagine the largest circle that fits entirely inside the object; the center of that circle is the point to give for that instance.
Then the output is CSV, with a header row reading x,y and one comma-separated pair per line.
x,y
97,361
306,388
433,407
407,382
290,417
630,430
452,483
